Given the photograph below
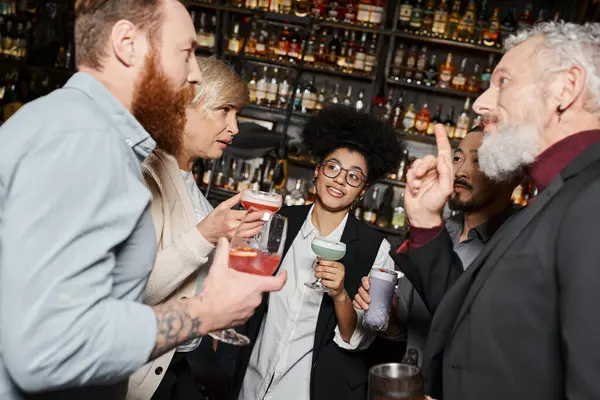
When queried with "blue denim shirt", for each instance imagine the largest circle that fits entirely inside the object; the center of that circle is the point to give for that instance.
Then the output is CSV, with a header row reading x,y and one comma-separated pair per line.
x,y
76,246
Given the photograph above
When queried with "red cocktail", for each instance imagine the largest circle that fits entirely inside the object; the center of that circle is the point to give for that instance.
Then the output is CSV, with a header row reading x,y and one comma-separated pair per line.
x,y
260,206
262,201
252,261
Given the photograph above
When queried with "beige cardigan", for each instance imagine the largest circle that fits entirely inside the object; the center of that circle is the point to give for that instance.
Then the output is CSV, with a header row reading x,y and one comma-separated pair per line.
x,y
181,251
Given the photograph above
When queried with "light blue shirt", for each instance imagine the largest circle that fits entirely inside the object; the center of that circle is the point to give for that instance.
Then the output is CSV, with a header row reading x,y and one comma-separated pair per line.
x,y
76,246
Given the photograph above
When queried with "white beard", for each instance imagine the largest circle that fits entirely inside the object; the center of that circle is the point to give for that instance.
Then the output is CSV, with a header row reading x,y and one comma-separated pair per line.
x,y
504,153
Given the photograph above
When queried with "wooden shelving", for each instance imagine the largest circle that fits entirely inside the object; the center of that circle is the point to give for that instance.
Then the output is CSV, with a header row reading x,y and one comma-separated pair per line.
x,y
433,89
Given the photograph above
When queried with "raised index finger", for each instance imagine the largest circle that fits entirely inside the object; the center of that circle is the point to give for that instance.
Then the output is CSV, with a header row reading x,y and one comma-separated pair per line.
x,y
443,144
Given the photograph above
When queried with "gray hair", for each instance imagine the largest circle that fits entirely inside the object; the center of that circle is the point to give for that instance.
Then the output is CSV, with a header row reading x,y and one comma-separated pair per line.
x,y
565,45
219,85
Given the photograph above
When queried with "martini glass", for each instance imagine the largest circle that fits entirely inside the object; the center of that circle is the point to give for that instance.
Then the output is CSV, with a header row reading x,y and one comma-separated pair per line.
x,y
260,255
328,250
261,201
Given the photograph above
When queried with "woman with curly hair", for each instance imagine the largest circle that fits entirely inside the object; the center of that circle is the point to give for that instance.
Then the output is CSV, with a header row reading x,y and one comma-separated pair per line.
x,y
307,344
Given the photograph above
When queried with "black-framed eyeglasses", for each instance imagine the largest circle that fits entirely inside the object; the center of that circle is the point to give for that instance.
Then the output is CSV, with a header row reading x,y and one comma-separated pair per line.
x,y
332,169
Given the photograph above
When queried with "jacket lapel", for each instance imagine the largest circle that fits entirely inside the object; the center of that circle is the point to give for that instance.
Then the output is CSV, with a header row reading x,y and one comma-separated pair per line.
x,y
326,312
484,264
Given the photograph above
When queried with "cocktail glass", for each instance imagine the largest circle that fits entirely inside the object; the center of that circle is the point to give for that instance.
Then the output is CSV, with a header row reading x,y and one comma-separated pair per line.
x,y
260,255
261,201
328,250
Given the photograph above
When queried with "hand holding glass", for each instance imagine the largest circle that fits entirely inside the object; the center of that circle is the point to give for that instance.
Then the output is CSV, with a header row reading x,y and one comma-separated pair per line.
x,y
327,250
381,290
259,255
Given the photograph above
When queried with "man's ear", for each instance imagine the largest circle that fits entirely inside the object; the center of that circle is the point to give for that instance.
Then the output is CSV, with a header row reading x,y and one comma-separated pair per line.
x,y
573,82
123,42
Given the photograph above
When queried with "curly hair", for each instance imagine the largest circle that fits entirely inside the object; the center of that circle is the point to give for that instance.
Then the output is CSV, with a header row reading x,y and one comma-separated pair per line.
x,y
343,127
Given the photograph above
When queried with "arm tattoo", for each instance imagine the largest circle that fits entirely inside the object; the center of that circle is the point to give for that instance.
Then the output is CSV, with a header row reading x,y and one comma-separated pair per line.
x,y
175,326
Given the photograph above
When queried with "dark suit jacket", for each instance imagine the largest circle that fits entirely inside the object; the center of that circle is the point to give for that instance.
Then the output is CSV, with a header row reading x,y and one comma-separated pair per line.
x,y
336,373
521,322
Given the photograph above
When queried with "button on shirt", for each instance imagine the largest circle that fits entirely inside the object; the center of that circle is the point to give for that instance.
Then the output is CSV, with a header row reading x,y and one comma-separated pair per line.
x,y
76,246
280,364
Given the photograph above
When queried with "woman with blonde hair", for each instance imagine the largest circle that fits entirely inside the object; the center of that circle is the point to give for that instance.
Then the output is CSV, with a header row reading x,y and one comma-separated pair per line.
x,y
187,227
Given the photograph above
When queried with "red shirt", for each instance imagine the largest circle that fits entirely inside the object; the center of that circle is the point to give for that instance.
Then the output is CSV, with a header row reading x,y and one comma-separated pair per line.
x,y
545,168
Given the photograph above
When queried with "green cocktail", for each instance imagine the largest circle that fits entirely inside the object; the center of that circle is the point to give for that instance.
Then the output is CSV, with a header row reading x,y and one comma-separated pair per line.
x,y
328,250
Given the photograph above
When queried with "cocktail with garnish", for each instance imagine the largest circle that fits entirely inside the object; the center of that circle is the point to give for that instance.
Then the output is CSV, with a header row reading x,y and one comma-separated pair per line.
x,y
328,250
259,255
261,201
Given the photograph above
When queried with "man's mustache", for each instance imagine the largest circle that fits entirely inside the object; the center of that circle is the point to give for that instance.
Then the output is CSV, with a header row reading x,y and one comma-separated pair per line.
x,y
462,182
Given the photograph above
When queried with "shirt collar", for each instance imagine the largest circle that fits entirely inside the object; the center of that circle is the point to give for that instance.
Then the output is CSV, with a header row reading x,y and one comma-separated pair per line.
x,y
133,132
485,231
308,227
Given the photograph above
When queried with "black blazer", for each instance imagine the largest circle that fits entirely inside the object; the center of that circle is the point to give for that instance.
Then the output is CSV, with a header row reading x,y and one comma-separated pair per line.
x,y
336,373
521,322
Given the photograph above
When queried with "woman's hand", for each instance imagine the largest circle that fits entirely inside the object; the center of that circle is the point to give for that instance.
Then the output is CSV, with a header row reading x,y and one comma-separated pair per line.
x,y
362,298
332,274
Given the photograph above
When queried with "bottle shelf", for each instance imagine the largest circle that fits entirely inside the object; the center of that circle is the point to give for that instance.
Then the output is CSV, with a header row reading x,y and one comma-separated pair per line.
x,y
429,139
335,72
272,114
264,61
444,42
433,89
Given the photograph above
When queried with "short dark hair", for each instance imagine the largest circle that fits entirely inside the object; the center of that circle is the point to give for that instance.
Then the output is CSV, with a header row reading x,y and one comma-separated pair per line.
x,y
343,127
94,20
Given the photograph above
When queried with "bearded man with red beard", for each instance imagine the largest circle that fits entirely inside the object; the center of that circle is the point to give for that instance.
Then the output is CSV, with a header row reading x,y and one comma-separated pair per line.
x,y
77,246
520,322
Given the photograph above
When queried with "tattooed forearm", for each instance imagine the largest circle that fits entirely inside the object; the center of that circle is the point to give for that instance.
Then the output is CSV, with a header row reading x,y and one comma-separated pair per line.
x,y
176,325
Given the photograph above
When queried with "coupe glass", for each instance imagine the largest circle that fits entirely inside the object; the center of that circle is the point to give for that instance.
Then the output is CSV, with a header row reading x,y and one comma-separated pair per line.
x,y
259,255
328,250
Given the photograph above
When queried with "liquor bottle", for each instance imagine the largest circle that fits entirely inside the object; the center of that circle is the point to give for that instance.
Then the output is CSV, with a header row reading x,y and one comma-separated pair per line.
x,y
405,14
332,11
296,196
235,43
231,176
285,6
272,47
212,32
453,20
398,112
486,76
252,41
205,171
478,121
370,212
284,90
462,124
431,75
364,12
358,209
446,72
274,6
295,46
459,81
361,53
422,121
350,56
252,84
408,121
351,11
440,19
311,48
466,26
318,9
262,41
256,178
416,19
334,49
396,69
473,83
298,98
509,24
421,66
263,5
335,97
480,25
541,18
309,97
389,105
526,19
348,98
490,36
399,217
301,8
321,57
377,11
221,178
402,167
360,104
437,119
428,15
371,59
386,211
252,4
201,29
272,87
321,98
261,88
411,62
378,107
341,59
12,99
283,45
244,181
450,125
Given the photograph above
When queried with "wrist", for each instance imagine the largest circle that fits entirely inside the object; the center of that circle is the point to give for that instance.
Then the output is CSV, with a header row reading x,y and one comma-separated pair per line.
x,y
341,298
425,221
205,233
200,310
